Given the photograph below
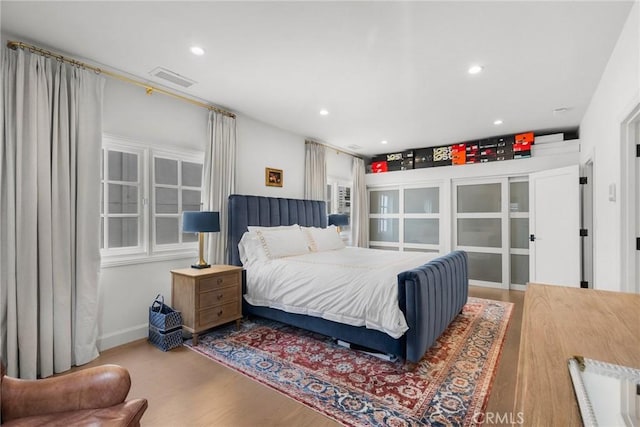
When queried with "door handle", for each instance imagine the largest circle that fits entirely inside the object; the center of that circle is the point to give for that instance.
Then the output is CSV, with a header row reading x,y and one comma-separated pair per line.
x,y
532,238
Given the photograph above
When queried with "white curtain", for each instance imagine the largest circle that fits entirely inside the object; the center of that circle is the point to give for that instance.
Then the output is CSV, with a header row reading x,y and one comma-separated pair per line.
x,y
219,180
359,205
315,171
49,214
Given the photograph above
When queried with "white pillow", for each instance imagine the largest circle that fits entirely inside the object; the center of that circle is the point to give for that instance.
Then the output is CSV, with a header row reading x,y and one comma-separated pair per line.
x,y
324,239
283,242
250,249
277,227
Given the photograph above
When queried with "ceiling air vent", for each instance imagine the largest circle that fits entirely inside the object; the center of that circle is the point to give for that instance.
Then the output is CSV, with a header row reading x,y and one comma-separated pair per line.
x,y
170,76
354,147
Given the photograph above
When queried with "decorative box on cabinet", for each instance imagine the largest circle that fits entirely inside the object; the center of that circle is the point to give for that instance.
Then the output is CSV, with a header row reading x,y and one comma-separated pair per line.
x,y
208,297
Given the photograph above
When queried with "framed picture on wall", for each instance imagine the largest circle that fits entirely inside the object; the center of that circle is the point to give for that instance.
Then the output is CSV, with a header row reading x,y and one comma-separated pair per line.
x,y
273,177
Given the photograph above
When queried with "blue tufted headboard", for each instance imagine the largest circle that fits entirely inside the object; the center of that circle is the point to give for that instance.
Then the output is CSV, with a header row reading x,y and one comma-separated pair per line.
x,y
269,211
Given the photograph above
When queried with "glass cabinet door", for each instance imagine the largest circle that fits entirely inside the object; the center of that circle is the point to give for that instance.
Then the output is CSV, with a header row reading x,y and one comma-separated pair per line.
x,y
519,233
479,229
406,219
384,202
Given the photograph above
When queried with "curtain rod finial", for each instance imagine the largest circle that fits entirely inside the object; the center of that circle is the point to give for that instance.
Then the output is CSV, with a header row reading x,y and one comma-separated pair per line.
x,y
149,91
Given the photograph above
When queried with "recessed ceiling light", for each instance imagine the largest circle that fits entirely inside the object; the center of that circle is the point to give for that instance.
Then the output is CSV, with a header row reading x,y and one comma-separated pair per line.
x,y
384,142
323,112
475,69
497,122
197,50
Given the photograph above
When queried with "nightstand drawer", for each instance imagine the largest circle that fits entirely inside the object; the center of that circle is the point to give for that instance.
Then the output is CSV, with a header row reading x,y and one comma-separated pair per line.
x,y
218,297
221,281
220,314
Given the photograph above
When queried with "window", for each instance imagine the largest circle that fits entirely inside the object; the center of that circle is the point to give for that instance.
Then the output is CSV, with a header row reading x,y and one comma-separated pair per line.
x,y
144,192
176,188
339,202
122,195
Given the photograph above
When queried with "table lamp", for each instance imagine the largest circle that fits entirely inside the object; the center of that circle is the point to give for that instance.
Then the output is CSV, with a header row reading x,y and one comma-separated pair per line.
x,y
200,222
338,220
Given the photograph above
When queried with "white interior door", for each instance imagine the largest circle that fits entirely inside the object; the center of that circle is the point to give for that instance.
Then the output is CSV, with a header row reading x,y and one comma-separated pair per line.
x,y
554,222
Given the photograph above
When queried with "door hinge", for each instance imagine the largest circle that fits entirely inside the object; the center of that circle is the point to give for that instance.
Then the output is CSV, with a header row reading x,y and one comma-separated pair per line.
x,y
584,284
584,232
637,150
638,243
583,180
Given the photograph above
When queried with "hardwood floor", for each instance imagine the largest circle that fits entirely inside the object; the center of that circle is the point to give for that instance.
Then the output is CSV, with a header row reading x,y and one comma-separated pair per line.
x,y
186,389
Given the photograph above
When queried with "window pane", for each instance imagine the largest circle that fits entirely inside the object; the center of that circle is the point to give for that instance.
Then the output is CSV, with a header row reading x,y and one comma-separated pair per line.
x,y
123,166
520,233
479,198
191,174
189,237
422,231
519,197
485,232
167,200
519,269
123,232
384,202
166,171
190,200
422,200
421,250
123,198
384,248
383,230
101,233
166,230
485,267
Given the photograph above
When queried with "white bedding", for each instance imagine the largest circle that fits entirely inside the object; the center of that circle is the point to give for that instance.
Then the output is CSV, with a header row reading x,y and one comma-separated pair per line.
x,y
355,286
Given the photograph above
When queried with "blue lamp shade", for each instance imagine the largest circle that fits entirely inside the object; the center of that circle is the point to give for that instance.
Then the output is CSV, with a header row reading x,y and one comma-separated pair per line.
x,y
339,219
200,222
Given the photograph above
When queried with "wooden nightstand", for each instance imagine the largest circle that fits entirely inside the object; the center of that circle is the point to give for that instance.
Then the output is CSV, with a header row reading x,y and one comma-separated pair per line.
x,y
208,297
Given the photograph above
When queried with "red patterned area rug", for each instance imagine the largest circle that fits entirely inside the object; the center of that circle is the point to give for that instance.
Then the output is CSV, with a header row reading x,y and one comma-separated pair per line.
x,y
447,387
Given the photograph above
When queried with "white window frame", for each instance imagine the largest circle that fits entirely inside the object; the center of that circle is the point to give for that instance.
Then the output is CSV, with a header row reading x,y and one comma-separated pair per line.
x,y
180,157
113,144
146,251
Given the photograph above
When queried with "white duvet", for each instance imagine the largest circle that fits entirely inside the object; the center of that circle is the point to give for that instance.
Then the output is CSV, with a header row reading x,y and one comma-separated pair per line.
x,y
355,286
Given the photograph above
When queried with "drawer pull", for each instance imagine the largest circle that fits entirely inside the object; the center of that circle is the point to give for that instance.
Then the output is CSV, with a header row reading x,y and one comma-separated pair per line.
x,y
219,281
220,296
219,313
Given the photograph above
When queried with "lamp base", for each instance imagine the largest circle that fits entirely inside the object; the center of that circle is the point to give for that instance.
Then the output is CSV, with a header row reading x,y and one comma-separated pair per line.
x,y
200,266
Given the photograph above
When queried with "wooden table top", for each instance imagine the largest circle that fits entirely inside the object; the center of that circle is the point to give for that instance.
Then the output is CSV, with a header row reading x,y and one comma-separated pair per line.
x,y
558,323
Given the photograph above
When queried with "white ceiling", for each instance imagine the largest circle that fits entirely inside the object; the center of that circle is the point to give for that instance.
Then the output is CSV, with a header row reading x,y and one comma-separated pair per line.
x,y
394,71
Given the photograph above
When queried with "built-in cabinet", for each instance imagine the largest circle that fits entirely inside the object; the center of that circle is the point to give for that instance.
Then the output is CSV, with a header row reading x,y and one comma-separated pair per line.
x,y
484,209
487,218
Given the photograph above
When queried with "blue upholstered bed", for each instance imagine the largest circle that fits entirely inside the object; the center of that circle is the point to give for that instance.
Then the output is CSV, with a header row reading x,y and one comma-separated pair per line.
x,y
430,295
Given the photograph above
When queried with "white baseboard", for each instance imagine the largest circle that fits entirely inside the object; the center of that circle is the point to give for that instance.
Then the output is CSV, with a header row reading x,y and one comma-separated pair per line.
x,y
123,336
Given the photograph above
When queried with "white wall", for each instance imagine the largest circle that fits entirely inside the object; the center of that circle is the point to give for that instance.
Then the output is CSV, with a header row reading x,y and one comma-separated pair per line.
x,y
339,165
617,94
260,146
127,291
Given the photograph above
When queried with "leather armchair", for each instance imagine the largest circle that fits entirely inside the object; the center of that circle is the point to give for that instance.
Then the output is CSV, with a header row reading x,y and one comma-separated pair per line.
x,y
93,396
